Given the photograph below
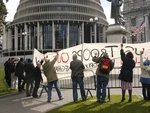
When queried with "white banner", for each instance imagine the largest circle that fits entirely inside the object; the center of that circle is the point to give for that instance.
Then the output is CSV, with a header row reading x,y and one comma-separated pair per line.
x,y
113,49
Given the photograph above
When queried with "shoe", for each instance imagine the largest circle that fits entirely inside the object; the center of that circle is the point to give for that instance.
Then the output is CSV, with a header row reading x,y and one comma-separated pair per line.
x,y
129,100
123,100
61,98
75,101
28,95
49,101
35,96
103,101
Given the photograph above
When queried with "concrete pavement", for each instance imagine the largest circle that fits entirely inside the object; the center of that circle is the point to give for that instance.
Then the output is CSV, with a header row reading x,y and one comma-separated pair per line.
x,y
18,103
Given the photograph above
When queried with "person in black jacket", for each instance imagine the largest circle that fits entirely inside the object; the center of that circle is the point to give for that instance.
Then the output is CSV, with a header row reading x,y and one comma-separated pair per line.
x,y
29,70
7,72
37,79
126,73
19,73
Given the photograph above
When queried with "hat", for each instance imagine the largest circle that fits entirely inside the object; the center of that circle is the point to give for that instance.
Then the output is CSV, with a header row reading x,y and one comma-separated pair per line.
x,y
17,59
146,62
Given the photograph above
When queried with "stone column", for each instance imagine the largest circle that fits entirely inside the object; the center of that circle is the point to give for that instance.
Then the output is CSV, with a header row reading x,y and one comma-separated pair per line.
x,y
4,38
16,38
53,35
104,34
79,34
41,38
91,34
25,36
21,38
83,32
147,28
95,33
38,35
9,46
29,37
67,40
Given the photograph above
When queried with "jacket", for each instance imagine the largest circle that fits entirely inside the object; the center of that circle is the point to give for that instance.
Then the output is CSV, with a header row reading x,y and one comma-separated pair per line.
x,y
19,69
98,60
29,69
126,72
49,70
37,74
77,68
145,72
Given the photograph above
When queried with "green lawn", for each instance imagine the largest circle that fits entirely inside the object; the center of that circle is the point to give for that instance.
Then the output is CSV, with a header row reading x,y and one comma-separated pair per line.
x,y
3,86
138,105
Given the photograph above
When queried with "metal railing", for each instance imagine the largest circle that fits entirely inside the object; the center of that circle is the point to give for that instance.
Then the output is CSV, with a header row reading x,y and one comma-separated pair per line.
x,y
90,80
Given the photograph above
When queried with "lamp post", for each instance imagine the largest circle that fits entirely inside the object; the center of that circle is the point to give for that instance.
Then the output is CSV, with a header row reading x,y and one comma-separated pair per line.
x,y
94,20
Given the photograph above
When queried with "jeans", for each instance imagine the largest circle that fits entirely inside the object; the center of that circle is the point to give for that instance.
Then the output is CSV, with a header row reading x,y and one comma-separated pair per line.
x,y
146,91
102,83
76,81
50,86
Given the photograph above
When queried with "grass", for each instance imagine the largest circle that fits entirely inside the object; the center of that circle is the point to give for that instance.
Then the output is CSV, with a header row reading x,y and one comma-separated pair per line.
x,y
4,89
138,105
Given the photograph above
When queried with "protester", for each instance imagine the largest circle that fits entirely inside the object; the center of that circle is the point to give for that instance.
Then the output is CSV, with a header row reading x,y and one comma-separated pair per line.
x,y
52,79
126,73
29,76
14,80
7,72
19,72
102,75
145,77
77,75
37,79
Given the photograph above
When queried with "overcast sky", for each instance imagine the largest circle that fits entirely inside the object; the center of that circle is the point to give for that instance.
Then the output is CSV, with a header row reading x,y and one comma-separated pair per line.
x,y
12,7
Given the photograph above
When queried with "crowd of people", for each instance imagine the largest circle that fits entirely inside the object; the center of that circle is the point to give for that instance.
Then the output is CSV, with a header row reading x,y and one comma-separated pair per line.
x,y
26,73
18,73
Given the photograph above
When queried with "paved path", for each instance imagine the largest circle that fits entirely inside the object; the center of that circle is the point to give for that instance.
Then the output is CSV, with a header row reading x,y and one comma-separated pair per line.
x,y
18,103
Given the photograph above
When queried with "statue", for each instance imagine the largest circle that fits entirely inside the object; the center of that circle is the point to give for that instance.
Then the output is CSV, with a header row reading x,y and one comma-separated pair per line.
x,y
116,11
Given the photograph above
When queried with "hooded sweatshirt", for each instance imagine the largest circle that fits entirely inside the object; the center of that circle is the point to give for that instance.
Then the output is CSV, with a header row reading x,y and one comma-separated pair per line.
x,y
145,71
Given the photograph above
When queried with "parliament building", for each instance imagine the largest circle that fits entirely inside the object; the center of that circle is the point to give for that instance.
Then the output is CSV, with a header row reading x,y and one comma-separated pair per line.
x,y
53,25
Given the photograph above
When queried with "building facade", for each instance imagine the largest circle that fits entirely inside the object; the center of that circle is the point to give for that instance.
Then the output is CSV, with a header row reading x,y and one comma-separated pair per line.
x,y
135,11
52,25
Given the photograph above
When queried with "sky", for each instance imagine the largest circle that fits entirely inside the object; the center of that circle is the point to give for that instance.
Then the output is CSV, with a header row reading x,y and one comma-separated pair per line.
x,y
13,4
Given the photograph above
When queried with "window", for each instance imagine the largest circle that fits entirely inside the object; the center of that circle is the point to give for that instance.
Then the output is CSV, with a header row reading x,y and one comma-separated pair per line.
x,y
133,21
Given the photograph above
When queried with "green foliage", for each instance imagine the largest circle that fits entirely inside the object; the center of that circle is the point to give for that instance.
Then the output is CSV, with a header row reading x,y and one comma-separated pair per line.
x,y
3,12
138,105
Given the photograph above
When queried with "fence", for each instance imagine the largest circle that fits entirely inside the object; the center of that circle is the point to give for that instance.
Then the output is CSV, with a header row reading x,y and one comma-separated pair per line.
x,y
90,80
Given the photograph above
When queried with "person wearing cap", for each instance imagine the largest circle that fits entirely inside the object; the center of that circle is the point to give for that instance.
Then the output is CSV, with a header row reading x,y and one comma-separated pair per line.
x,y
29,75
102,78
126,73
145,77
52,79
37,78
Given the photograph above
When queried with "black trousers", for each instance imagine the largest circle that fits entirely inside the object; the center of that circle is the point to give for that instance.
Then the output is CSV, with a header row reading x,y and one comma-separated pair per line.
x,y
21,82
146,91
8,79
36,87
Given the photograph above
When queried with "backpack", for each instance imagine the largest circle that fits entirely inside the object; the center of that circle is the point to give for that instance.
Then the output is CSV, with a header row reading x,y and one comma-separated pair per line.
x,y
105,65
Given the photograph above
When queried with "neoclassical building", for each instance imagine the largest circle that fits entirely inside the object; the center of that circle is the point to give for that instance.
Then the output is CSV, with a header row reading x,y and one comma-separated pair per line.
x,y
135,11
51,25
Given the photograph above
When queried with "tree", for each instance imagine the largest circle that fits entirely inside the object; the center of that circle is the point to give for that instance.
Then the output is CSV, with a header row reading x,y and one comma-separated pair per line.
x,y
3,13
